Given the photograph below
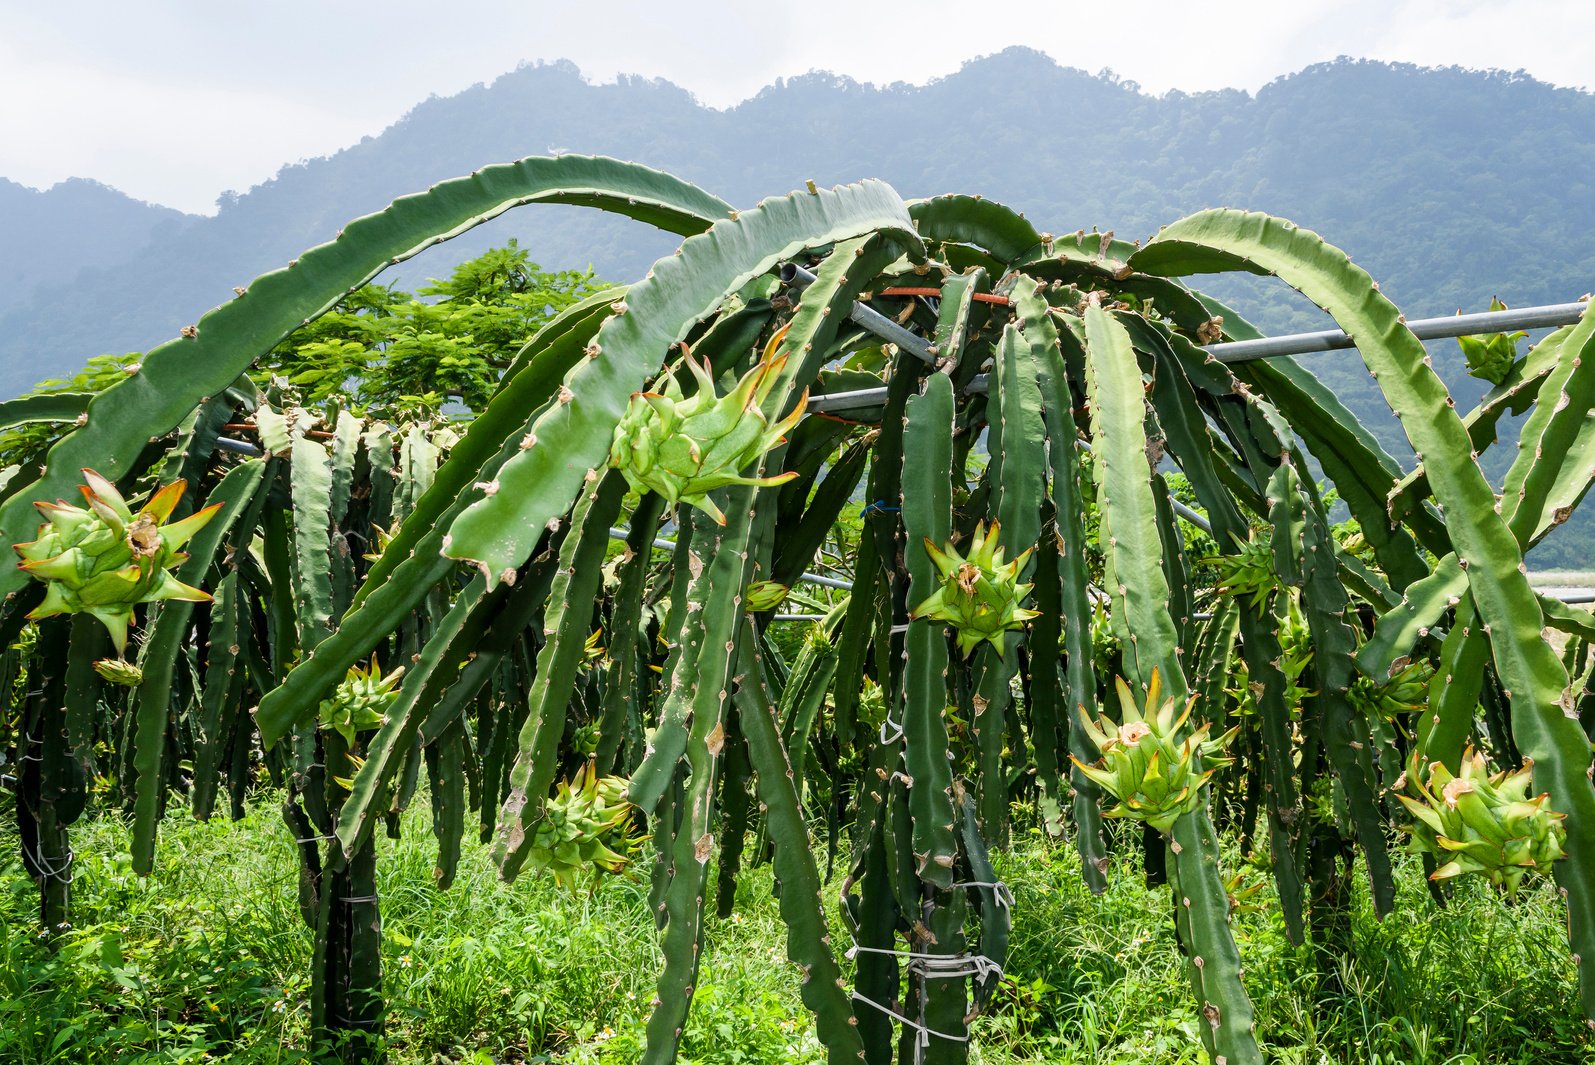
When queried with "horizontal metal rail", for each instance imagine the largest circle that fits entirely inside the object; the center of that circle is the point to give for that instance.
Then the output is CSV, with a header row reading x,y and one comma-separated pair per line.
x,y
1456,325
867,318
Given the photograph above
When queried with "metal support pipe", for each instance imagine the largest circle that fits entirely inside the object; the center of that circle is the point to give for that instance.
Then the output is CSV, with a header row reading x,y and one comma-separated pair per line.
x,y
794,276
1456,325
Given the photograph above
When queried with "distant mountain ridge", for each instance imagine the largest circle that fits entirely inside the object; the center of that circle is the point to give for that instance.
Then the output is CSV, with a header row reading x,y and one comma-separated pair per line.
x,y
48,235
1448,185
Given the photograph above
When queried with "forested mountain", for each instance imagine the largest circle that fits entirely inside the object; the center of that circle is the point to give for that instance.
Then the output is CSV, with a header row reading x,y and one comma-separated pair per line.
x,y
48,236
1448,185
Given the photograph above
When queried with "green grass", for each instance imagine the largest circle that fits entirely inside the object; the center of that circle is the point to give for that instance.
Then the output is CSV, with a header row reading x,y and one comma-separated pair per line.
x,y
205,960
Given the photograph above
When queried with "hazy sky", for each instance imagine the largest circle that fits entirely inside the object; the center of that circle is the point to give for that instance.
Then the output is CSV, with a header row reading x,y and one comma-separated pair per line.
x,y
174,101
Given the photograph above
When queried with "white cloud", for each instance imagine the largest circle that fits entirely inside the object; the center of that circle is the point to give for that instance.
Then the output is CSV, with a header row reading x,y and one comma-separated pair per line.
x,y
173,101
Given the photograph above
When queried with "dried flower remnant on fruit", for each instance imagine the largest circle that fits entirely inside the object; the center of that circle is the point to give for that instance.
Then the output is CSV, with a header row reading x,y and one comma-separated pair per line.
x,y
980,595
103,560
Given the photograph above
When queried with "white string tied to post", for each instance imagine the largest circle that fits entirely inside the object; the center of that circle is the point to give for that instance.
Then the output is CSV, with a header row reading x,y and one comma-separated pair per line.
x,y
922,1033
1001,891
954,966
48,867
935,966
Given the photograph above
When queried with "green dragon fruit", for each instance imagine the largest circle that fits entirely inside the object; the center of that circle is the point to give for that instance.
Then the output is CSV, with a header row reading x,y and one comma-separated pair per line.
x,y
361,701
686,448
1476,822
1156,776
1249,571
105,560
582,826
764,595
1405,690
979,595
119,672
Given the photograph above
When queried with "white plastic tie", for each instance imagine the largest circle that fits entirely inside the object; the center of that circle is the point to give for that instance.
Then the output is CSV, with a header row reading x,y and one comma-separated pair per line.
x,y
55,867
1001,890
923,1034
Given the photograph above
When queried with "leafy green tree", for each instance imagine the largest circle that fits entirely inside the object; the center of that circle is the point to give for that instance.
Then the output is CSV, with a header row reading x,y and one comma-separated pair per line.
x,y
23,443
390,353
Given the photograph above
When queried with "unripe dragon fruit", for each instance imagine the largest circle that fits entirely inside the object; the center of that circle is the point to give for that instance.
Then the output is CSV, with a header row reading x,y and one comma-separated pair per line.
x,y
582,827
1476,822
979,595
361,701
1405,690
764,595
686,448
105,560
1249,570
1156,775
120,672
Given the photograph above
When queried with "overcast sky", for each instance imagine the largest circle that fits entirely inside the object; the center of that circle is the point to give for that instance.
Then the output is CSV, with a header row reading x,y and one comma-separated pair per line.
x,y
174,101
